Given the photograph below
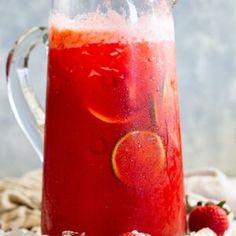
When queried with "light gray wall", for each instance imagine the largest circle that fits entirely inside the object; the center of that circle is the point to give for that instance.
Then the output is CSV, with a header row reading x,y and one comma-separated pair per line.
x,y
206,56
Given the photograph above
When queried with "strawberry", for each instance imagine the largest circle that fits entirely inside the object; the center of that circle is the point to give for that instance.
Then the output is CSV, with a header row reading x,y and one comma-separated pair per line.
x,y
134,233
210,216
127,234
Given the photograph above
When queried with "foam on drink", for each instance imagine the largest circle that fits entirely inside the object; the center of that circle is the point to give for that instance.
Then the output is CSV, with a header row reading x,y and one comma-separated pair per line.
x,y
108,28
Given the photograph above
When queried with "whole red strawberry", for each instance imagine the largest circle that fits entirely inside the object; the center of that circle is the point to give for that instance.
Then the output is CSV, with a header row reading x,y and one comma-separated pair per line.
x,y
209,216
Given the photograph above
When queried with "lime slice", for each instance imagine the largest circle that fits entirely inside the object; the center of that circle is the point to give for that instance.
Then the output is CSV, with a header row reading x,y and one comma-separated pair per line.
x,y
138,159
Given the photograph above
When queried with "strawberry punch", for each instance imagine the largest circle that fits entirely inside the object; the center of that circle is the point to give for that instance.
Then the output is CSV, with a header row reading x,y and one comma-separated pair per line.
x,y
112,159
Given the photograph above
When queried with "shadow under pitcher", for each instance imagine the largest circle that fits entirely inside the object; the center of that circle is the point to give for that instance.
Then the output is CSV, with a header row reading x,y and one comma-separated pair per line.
x,y
110,137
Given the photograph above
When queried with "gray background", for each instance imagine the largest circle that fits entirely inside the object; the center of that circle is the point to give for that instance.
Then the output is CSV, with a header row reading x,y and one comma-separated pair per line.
x,y
206,58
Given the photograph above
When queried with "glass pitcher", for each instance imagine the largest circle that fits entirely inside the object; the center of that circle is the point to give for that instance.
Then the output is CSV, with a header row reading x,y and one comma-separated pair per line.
x,y
112,150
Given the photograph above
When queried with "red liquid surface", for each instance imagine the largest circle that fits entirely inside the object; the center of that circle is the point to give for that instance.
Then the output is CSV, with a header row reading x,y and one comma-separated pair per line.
x,y
112,147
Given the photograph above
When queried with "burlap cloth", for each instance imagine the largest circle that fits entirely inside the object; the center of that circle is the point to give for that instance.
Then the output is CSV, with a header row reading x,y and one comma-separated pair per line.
x,y
20,199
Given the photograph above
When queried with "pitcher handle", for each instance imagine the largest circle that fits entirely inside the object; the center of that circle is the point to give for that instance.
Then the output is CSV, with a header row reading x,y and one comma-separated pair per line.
x,y
24,103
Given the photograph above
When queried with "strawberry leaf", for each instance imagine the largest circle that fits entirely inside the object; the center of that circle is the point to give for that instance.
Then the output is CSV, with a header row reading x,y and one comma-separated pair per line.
x,y
221,204
199,203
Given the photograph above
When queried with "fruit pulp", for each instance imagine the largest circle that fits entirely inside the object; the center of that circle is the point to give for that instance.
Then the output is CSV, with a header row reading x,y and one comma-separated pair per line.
x,y
112,144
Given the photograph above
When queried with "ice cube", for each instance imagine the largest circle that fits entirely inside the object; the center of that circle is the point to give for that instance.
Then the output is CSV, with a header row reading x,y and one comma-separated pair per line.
x,y
204,232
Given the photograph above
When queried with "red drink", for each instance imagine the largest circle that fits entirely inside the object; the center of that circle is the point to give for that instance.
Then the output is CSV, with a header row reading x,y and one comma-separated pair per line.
x,y
112,151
